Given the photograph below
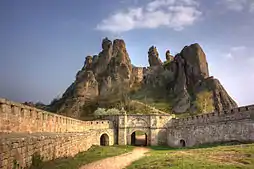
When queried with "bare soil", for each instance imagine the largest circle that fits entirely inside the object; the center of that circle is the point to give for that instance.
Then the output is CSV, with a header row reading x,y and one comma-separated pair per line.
x,y
117,162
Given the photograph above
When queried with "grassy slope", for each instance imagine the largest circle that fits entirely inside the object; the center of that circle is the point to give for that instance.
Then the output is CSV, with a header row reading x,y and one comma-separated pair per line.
x,y
223,157
154,98
93,154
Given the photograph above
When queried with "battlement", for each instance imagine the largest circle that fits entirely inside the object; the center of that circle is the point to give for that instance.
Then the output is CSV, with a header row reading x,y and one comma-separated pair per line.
x,y
239,113
17,117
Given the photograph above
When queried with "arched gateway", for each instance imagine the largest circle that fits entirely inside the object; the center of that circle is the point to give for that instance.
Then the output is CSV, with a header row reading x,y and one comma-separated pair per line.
x,y
162,129
104,140
153,127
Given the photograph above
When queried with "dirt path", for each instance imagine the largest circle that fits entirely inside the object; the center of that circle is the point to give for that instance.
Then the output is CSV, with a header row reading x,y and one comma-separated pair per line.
x,y
118,162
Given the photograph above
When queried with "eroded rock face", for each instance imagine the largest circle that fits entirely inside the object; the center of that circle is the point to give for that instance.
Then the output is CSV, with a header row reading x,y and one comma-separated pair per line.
x,y
117,79
169,57
182,103
187,72
222,100
153,57
107,78
196,66
101,77
104,57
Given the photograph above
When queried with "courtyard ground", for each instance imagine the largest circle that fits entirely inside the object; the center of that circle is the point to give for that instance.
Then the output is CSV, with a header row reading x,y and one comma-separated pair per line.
x,y
117,157
95,153
118,162
207,157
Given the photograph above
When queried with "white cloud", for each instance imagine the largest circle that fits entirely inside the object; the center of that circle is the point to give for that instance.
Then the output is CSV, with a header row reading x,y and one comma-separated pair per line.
x,y
239,5
236,5
238,48
235,51
175,14
228,56
252,7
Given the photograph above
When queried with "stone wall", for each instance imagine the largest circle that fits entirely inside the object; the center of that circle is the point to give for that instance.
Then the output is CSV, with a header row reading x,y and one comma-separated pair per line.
x,y
155,126
233,125
16,117
22,147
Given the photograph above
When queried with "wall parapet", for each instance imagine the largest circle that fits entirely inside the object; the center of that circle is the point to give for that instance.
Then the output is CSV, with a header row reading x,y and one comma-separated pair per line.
x,y
239,113
17,117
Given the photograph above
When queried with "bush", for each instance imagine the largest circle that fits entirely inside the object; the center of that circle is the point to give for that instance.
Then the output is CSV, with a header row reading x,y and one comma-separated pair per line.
x,y
204,102
103,112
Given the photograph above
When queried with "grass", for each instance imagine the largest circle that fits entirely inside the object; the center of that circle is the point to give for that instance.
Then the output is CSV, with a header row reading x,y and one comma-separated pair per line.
x,y
139,133
93,154
205,157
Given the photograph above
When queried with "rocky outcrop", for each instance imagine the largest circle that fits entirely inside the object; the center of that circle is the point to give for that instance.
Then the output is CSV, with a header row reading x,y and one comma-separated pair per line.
x,y
153,57
102,80
182,103
187,75
169,57
109,78
222,100
117,78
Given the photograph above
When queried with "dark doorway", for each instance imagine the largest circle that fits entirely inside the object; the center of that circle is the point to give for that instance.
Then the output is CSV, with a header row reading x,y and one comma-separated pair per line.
x,y
104,140
139,138
182,143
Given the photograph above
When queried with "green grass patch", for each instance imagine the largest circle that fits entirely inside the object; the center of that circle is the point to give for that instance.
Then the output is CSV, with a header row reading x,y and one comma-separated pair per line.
x,y
139,133
204,157
93,154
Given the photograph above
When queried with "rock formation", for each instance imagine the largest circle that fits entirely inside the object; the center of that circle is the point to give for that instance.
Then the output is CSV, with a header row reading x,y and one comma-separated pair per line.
x,y
108,78
153,57
169,57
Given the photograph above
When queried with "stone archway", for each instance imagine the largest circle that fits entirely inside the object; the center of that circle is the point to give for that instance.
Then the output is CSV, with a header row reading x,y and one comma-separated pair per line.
x,y
139,138
182,143
104,140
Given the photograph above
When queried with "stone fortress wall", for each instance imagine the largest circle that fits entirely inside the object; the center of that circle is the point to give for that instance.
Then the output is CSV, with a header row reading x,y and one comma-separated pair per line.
x,y
26,131
16,117
231,125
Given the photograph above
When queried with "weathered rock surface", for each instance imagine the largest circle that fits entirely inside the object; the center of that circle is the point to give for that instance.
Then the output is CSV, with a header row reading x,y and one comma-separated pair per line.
x,y
169,57
153,57
108,78
186,75
103,79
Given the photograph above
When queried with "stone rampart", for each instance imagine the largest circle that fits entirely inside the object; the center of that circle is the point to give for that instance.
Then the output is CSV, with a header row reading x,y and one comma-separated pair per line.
x,y
228,115
21,148
233,125
16,117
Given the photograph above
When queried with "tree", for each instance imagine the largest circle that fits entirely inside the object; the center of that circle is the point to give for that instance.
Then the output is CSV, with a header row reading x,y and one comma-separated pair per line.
x,y
204,102
100,112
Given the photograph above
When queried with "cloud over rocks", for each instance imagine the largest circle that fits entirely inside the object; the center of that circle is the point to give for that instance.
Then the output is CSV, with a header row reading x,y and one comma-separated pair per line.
x,y
174,14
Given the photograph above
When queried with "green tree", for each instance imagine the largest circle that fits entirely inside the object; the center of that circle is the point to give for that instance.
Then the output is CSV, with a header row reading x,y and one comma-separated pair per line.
x,y
204,102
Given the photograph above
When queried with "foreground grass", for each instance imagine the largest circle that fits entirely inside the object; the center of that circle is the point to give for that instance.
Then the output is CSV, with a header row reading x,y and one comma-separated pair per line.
x,y
223,157
95,153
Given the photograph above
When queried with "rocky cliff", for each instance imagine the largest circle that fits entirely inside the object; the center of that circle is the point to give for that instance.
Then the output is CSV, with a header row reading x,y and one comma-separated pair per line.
x,y
109,79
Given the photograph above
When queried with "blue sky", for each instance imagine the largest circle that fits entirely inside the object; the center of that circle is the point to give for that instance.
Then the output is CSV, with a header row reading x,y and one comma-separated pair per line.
x,y
44,43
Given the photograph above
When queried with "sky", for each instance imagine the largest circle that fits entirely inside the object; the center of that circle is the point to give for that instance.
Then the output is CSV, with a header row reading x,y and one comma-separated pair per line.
x,y
44,43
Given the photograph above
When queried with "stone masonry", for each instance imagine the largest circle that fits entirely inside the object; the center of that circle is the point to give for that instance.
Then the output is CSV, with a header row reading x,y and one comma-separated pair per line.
x,y
26,131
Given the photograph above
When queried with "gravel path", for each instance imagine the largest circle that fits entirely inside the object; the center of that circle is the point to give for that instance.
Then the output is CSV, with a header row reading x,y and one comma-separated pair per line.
x,y
118,162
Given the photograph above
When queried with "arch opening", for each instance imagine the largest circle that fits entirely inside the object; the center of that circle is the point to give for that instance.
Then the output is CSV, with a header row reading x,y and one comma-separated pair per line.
x,y
104,140
182,143
139,138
